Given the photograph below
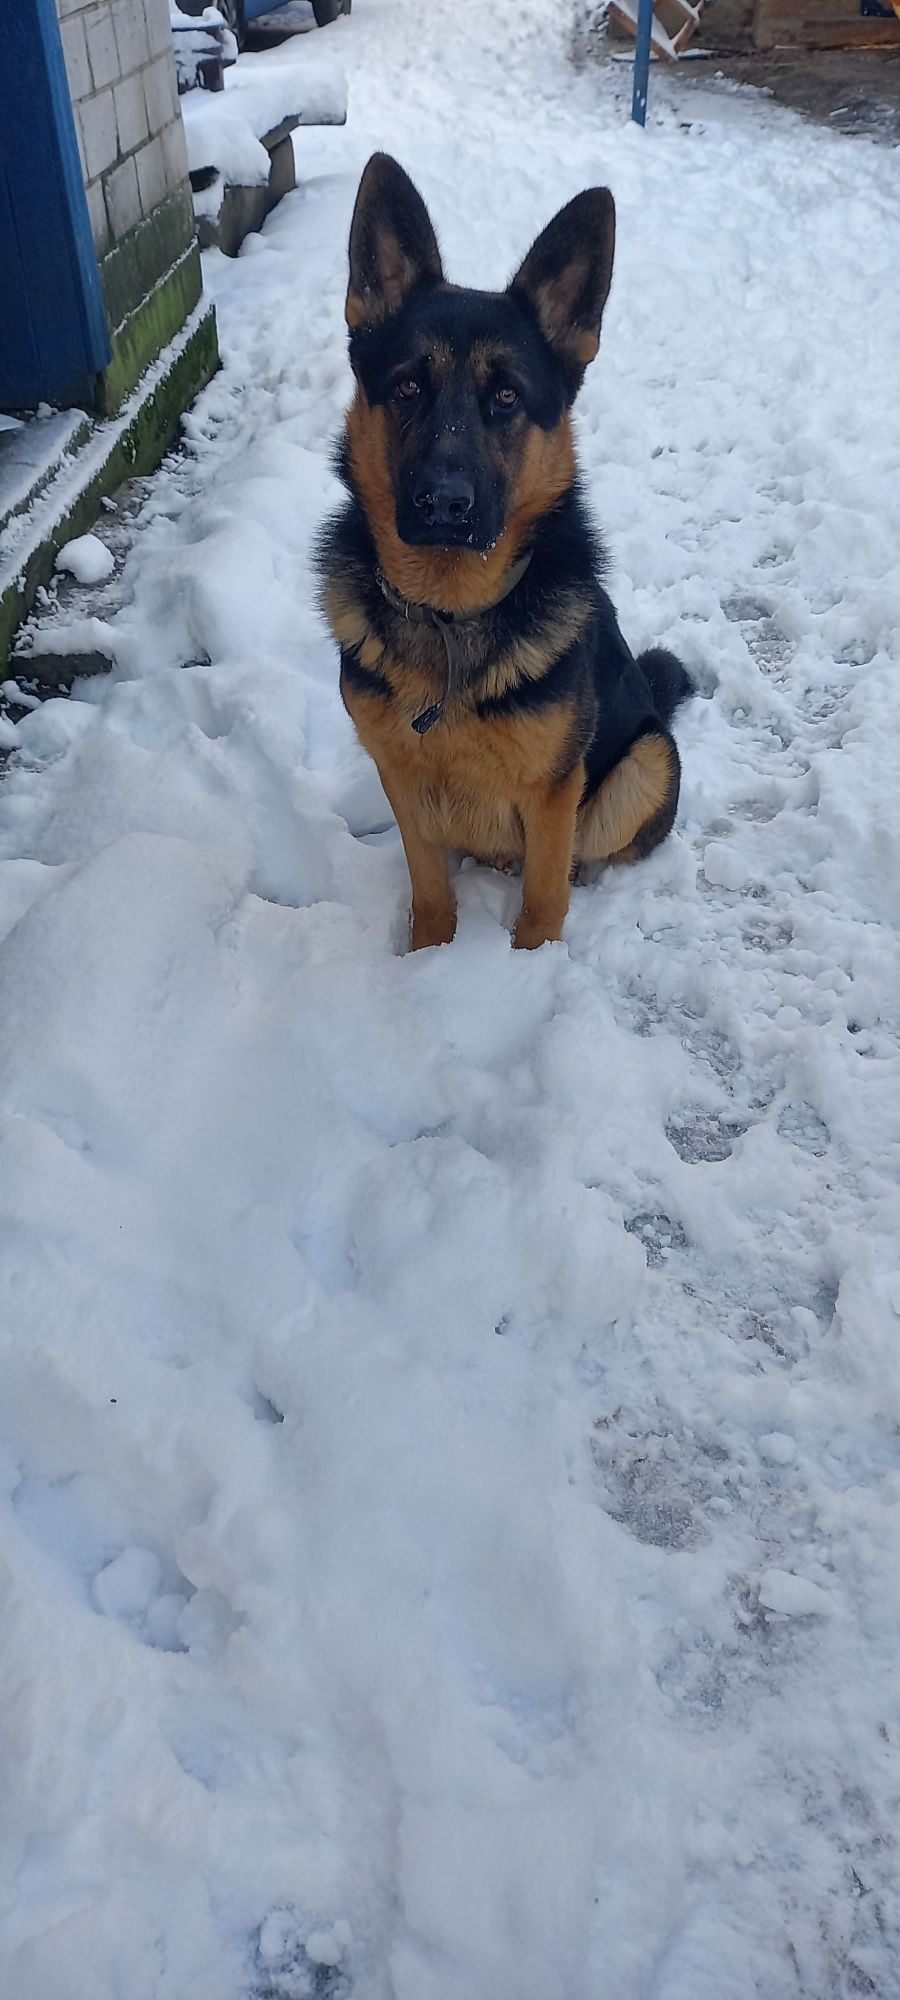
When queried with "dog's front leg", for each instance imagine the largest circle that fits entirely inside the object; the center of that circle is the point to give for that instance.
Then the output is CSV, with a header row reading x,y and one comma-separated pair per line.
x,y
548,817
433,903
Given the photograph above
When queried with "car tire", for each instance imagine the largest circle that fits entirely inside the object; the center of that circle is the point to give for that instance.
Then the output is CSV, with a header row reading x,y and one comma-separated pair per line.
x,y
328,10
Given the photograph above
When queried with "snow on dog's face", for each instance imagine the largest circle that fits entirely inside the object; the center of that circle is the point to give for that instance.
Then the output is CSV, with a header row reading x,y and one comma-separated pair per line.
x,y
460,429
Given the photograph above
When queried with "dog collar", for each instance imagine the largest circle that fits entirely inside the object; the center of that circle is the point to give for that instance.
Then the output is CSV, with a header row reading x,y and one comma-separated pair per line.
x,y
446,622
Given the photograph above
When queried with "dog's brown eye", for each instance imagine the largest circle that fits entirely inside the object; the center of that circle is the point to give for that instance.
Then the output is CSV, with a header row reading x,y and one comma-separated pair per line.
x,y
407,389
506,397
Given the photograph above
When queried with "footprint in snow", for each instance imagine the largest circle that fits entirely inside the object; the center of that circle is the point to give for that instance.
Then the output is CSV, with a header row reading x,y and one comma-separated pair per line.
x,y
802,1127
658,1234
294,1960
703,1135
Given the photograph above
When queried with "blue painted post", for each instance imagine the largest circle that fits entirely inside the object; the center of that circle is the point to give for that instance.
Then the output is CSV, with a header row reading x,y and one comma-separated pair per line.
x,y
642,62
54,337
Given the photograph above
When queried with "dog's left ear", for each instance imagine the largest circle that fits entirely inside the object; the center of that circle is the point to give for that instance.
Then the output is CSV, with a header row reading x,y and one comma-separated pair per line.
x,y
393,247
566,277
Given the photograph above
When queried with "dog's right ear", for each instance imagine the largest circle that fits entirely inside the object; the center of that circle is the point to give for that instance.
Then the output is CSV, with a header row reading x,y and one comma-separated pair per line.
x,y
393,248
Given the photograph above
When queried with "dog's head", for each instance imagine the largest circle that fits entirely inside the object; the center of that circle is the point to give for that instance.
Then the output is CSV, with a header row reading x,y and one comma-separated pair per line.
x,y
460,424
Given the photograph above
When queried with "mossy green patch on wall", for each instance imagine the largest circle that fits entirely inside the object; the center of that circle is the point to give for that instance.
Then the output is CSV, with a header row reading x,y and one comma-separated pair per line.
x,y
144,334
135,265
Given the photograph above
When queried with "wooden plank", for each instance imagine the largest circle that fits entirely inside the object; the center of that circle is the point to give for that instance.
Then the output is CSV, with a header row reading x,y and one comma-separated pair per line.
x,y
869,34
668,34
625,12
846,12
821,24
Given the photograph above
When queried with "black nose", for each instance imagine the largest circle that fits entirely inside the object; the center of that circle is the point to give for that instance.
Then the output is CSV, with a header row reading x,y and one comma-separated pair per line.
x,y
445,499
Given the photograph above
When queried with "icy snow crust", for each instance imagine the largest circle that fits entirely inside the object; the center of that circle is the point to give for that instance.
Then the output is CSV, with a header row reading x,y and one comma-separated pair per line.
x,y
451,1404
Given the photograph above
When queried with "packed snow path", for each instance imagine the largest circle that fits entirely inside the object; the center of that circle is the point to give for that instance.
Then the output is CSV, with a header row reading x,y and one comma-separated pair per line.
x,y
451,1424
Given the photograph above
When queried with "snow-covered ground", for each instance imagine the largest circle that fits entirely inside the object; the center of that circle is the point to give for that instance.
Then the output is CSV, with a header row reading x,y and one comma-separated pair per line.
x,y
451,1414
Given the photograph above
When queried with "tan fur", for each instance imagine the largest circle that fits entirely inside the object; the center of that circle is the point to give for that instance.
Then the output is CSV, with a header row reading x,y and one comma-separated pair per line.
x,y
632,800
487,788
478,787
460,580
548,816
529,659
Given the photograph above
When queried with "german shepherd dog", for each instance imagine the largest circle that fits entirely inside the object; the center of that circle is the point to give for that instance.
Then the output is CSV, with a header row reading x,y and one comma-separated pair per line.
x,y
481,660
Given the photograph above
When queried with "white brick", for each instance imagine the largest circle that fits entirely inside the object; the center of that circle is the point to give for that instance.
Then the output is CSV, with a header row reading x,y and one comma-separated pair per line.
x,y
71,7
96,117
101,41
99,225
123,201
175,150
161,91
133,41
151,173
131,113
159,32
78,69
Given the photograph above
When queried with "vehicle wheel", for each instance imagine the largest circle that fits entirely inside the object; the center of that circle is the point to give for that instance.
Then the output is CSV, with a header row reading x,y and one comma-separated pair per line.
x,y
328,10
232,12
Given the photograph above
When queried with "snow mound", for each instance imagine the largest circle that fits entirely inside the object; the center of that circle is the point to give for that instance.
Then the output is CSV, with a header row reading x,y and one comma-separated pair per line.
x,y
87,559
224,128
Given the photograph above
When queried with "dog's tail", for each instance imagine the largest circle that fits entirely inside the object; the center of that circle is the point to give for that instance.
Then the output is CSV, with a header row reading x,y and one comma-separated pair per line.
x,y
669,682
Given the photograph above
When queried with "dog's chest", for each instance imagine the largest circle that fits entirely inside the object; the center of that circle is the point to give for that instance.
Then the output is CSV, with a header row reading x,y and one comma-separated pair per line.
x,y
464,779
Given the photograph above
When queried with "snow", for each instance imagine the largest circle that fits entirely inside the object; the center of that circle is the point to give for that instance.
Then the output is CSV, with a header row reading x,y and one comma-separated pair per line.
x,y
793,1596
86,558
393,1346
777,1448
224,128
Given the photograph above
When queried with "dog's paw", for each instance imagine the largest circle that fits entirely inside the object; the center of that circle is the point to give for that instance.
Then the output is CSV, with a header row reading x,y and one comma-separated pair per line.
x,y
530,933
432,927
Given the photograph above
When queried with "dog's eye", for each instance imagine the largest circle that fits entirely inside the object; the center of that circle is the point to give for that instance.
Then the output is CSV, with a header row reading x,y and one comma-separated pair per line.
x,y
506,397
407,390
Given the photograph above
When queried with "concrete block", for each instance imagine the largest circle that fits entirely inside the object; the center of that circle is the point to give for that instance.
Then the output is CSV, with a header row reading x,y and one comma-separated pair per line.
x,y
96,117
159,32
132,448
175,152
135,266
161,92
151,173
99,223
131,112
130,23
78,68
102,48
123,199
64,7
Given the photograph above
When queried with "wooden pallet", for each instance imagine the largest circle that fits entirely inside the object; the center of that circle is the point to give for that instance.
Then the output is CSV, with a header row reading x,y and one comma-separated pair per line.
x,y
674,22
821,24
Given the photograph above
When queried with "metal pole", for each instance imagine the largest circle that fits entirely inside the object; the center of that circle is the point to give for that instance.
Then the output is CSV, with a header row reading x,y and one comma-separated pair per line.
x,y
642,62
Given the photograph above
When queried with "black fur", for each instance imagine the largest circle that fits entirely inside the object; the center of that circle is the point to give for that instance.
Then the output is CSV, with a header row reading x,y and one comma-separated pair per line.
x,y
619,698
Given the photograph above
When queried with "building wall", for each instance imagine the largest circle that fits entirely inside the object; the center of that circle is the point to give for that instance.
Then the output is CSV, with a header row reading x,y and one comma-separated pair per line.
x,y
122,78
728,24
121,72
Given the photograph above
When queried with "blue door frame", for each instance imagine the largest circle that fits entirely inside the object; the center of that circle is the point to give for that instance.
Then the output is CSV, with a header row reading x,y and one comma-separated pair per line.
x,y
54,337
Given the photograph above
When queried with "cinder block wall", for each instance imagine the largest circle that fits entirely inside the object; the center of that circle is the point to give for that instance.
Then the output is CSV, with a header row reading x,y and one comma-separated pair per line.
x,y
121,72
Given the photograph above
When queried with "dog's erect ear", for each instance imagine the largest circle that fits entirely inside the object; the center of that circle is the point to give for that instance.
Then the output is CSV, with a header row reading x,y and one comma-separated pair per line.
x,y
393,248
566,276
